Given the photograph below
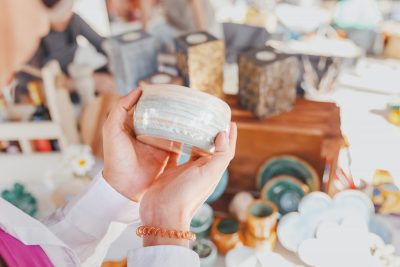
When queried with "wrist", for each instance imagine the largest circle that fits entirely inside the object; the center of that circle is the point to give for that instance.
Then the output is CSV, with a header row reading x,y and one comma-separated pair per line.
x,y
160,218
120,186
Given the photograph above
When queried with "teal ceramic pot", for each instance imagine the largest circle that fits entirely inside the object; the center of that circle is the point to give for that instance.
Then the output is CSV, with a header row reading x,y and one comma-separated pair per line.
x,y
219,190
207,252
285,192
202,221
21,199
288,165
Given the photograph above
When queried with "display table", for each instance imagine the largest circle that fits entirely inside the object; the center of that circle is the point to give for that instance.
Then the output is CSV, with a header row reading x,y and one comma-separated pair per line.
x,y
311,131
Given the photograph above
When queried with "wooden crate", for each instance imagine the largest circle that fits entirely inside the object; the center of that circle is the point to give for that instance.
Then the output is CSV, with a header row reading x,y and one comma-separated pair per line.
x,y
311,131
62,127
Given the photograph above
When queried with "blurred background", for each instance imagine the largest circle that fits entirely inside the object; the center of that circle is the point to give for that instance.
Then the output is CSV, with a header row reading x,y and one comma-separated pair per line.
x,y
314,87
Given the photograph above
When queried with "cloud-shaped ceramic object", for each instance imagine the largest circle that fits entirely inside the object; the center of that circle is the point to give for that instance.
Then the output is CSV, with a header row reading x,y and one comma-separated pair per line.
x,y
318,207
243,256
346,245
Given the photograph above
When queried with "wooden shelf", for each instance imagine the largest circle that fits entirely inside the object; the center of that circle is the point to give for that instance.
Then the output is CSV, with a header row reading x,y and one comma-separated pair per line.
x,y
29,130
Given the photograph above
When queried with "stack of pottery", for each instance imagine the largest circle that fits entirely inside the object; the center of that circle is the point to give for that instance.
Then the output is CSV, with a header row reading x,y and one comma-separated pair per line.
x,y
285,180
261,224
200,60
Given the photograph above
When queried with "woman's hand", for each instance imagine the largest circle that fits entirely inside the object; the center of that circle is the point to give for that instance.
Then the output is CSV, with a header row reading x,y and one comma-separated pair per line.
x,y
129,166
175,196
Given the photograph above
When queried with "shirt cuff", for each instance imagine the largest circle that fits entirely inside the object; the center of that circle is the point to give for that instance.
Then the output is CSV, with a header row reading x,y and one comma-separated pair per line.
x,y
166,256
100,205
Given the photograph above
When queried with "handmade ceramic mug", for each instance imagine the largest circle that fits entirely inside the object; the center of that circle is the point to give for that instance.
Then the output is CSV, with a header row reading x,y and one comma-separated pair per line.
x,y
260,244
180,119
262,218
225,233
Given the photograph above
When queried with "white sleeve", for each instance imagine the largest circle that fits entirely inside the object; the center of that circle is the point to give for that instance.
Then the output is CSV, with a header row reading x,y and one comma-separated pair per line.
x,y
163,256
83,222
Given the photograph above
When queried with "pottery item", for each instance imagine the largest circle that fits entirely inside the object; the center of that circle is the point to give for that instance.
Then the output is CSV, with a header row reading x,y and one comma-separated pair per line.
x,y
240,204
260,244
207,252
318,208
200,60
262,216
180,119
161,78
83,82
202,221
225,233
288,165
21,199
285,192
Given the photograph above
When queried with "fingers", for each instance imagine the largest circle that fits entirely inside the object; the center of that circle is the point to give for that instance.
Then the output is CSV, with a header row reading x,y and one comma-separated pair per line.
x,y
121,113
129,101
224,152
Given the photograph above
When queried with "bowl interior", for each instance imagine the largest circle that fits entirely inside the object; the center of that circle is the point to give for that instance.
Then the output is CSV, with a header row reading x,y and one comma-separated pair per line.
x,y
228,226
261,210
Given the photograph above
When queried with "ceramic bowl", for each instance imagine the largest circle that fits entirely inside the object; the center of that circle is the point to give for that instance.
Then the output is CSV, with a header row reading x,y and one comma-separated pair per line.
x,y
285,191
202,221
288,165
180,119
207,252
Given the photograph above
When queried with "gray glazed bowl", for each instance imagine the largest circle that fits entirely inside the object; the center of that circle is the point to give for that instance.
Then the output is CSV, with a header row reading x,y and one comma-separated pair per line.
x,y
180,119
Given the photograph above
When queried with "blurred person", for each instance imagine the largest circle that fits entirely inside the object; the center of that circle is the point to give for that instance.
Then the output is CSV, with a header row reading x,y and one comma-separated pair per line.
x,y
181,16
138,181
61,44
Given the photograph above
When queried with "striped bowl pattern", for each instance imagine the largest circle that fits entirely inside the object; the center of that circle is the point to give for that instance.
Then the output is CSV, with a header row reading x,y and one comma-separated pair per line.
x,y
178,118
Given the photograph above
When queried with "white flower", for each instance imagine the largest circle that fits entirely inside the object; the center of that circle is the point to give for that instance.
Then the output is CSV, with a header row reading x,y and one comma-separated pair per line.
x,y
79,159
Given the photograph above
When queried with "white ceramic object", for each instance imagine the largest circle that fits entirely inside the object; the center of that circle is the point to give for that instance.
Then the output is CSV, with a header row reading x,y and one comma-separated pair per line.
x,y
160,79
351,207
243,256
265,56
314,202
180,119
239,205
83,81
196,38
204,216
211,259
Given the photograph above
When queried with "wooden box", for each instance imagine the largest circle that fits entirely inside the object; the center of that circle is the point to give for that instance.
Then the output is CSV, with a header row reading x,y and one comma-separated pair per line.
x,y
267,82
133,58
200,60
310,131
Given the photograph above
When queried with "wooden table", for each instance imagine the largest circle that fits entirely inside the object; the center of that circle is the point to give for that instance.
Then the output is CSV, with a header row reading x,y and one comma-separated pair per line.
x,y
311,131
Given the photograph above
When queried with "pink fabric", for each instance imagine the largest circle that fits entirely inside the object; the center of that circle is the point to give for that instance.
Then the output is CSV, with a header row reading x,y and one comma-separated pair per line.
x,y
17,254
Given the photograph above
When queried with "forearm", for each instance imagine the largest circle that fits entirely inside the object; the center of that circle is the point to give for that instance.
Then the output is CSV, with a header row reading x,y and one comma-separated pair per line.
x,y
84,221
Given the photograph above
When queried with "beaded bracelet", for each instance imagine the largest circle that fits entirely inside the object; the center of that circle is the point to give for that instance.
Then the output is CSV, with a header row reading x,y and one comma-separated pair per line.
x,y
155,231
